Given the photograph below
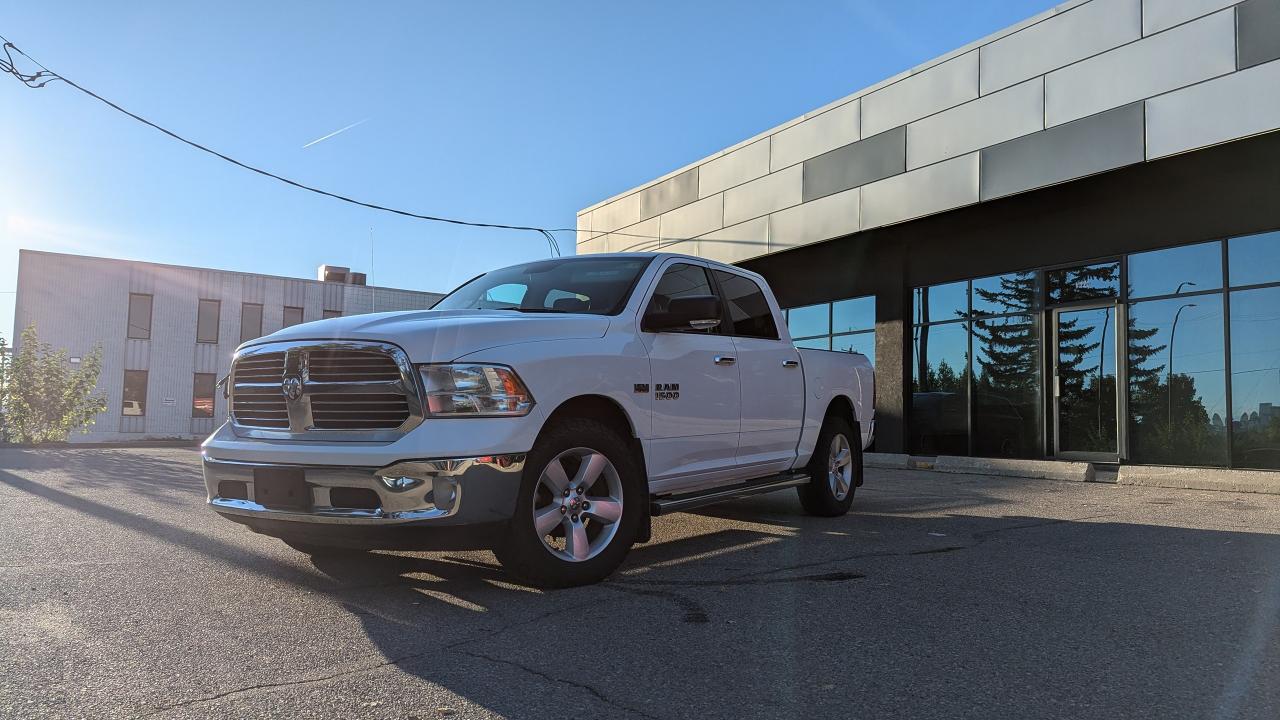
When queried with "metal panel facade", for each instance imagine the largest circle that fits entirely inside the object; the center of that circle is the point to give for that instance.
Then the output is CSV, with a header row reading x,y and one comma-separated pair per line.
x,y
1085,62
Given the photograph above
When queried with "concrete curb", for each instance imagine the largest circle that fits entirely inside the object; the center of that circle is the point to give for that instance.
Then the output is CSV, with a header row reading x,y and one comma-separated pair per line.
x,y
884,460
1190,478
1044,469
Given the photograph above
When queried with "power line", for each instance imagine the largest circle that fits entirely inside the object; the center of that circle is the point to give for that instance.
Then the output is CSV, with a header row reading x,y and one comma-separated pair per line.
x,y
45,76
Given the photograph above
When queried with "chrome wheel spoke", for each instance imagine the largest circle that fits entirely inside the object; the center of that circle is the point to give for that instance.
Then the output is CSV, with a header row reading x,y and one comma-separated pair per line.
x,y
576,542
604,509
555,477
546,519
843,458
590,469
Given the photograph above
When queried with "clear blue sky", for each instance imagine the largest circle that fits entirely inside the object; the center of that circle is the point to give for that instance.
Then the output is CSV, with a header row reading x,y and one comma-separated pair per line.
x,y
512,112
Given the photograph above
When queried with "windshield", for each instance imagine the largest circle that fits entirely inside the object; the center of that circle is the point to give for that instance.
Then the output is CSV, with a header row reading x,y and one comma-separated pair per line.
x,y
599,286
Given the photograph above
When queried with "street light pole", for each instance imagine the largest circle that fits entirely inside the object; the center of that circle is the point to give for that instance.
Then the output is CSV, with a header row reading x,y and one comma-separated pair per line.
x,y
1173,333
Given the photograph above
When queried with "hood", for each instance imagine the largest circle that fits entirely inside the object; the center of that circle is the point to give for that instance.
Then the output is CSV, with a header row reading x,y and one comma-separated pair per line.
x,y
445,335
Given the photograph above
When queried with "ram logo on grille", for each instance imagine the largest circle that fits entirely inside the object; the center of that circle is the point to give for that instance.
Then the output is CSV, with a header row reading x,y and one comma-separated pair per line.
x,y
298,388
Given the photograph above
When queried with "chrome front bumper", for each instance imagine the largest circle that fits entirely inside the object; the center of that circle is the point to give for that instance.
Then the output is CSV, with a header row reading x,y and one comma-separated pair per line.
x,y
453,491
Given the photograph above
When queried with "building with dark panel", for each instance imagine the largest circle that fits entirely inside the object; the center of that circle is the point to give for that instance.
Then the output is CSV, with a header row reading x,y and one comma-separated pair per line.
x,y
1060,241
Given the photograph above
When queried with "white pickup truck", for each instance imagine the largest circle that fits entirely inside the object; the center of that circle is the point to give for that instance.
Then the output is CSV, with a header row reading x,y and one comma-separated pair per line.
x,y
545,410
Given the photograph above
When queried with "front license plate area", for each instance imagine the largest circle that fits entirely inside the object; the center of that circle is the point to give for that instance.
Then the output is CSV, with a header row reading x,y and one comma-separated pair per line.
x,y
281,488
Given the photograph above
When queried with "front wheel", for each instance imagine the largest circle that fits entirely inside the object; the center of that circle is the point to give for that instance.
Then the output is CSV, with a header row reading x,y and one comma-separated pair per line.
x,y
579,508
835,469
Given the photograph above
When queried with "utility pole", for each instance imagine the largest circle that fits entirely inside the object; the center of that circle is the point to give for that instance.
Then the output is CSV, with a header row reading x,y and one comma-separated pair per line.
x,y
1173,334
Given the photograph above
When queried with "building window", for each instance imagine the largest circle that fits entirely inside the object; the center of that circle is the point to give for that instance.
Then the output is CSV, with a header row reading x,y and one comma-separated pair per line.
x,y
1176,271
202,394
749,311
332,314
1255,259
1177,379
207,321
940,373
292,316
135,393
1255,375
843,326
139,316
250,322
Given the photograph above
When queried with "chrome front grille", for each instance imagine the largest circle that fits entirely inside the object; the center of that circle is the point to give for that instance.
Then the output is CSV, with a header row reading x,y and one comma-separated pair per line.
x,y
307,389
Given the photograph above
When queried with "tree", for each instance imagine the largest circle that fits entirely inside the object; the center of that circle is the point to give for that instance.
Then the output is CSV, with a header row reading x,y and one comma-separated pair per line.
x,y
44,397
4,380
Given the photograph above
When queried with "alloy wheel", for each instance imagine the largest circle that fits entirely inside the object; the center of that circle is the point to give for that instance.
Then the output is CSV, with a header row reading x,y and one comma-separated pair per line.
x,y
577,504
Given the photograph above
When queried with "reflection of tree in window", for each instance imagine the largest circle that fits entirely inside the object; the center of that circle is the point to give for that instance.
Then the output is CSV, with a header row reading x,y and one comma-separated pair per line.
x,y
1169,421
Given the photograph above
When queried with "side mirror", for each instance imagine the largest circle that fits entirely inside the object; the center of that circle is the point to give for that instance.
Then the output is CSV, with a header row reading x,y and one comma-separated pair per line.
x,y
695,312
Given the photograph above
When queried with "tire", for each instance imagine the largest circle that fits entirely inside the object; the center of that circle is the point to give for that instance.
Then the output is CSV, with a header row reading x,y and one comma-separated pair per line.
x,y
572,542
829,494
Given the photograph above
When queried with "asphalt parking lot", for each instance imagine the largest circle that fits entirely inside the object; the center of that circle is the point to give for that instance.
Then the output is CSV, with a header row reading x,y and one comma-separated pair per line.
x,y
941,596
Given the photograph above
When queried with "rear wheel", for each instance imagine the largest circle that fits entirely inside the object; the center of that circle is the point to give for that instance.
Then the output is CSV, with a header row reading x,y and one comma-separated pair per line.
x,y
836,469
579,509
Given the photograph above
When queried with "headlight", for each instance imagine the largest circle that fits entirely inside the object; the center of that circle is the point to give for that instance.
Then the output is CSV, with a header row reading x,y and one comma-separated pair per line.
x,y
474,391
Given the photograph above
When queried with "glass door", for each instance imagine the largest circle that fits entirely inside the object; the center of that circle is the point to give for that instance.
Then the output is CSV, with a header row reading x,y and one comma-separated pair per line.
x,y
1085,383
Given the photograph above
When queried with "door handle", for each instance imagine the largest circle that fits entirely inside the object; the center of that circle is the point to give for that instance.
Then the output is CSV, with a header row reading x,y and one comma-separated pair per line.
x,y
790,363
726,359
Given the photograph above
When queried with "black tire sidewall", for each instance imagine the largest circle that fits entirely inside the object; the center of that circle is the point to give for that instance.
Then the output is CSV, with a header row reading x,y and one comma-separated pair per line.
x,y
521,551
817,497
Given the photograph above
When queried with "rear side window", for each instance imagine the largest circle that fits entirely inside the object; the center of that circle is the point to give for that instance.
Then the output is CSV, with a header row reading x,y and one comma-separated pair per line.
x,y
749,313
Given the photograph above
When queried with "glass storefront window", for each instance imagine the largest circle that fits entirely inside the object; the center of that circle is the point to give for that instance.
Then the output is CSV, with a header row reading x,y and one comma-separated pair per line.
x,y
1176,271
863,342
939,389
1003,294
1254,259
820,343
853,314
942,302
1255,376
809,321
1088,282
1177,382
1007,404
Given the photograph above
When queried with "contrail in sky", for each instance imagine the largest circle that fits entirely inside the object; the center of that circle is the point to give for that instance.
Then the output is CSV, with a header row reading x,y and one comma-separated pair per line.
x,y
335,132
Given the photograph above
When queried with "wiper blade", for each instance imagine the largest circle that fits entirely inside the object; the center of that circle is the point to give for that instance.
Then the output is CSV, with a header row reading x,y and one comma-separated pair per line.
x,y
537,310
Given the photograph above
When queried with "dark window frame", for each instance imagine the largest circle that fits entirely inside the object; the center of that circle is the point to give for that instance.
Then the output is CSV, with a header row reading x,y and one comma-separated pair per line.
x,y
124,395
213,395
284,316
244,338
129,316
217,320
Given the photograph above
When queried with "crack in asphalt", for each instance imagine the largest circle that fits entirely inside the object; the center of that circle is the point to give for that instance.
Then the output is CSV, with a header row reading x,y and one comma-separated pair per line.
x,y
289,683
552,678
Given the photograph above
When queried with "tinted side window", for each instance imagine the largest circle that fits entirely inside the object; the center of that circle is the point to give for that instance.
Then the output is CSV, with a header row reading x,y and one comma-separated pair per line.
x,y
749,313
680,280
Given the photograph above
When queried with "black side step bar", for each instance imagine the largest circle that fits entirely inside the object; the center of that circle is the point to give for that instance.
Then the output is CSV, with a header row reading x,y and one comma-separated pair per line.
x,y
688,501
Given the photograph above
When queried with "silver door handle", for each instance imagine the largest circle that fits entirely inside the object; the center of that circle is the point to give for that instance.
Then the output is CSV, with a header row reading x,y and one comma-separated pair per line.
x,y
726,359
790,363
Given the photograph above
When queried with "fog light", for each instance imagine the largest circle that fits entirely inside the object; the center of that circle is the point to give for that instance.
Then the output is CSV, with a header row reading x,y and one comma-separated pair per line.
x,y
444,492
400,484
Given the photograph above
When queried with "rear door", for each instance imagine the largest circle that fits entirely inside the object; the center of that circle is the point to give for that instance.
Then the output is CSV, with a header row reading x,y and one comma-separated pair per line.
x,y
772,380
696,402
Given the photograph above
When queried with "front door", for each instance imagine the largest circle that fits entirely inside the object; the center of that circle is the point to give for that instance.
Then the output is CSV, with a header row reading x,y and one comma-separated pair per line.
x,y
696,406
1085,383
